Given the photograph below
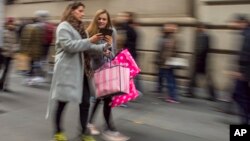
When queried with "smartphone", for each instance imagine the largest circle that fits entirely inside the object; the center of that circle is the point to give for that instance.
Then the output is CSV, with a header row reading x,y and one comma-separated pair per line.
x,y
105,31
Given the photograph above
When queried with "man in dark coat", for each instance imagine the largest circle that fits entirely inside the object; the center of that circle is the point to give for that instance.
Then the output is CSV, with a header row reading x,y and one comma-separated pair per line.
x,y
131,39
202,46
242,89
127,26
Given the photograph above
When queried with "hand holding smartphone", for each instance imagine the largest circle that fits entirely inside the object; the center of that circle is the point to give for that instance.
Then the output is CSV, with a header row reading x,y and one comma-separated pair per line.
x,y
108,39
95,38
105,32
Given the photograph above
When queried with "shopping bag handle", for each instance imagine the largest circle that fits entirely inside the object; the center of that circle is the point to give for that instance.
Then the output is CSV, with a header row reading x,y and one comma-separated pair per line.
x,y
108,67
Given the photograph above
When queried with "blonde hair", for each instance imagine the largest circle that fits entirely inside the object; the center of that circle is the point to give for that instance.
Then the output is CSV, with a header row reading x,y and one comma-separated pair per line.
x,y
93,27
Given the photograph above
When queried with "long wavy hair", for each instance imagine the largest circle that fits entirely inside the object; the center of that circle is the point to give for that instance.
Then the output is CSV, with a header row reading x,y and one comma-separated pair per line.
x,y
79,26
93,27
67,14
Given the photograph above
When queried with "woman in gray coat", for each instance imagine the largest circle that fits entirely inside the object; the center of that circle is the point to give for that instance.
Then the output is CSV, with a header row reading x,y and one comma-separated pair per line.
x,y
72,67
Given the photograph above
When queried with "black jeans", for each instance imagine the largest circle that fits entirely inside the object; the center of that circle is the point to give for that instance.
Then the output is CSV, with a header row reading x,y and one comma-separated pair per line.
x,y
242,97
6,66
83,109
107,112
244,114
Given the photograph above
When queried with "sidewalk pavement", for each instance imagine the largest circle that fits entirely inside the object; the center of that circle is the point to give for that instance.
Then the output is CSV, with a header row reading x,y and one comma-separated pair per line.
x,y
22,117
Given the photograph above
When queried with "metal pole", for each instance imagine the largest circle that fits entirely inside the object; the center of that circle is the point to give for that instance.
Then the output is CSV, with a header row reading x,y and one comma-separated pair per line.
x,y
1,21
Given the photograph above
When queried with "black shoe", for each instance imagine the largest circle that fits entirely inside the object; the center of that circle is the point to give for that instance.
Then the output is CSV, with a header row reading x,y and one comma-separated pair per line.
x,y
189,95
211,99
7,90
156,91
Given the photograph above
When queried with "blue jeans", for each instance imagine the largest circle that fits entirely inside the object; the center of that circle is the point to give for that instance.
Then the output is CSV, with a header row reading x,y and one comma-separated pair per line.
x,y
168,74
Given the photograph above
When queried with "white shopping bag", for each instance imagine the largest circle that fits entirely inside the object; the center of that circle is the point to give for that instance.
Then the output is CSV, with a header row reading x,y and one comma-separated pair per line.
x,y
177,62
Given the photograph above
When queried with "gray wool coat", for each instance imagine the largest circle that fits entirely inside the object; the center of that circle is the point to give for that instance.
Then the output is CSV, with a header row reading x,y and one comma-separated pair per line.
x,y
67,81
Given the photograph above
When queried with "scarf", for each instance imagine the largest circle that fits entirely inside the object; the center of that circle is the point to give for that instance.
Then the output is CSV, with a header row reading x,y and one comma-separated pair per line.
x,y
79,26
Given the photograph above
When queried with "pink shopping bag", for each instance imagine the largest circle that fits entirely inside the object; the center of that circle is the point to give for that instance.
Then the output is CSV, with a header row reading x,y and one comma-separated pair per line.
x,y
121,99
111,80
124,58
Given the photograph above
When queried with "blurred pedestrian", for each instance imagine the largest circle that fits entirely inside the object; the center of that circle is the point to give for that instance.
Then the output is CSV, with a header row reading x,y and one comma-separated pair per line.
x,y
167,50
241,93
160,82
202,46
128,23
72,70
9,48
36,39
23,23
127,26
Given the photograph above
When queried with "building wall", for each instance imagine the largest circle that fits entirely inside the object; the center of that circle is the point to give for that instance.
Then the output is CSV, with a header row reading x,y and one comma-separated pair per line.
x,y
148,12
156,12
221,12
145,8
1,22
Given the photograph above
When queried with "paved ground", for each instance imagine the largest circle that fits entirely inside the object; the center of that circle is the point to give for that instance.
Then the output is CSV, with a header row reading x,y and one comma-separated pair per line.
x,y
22,117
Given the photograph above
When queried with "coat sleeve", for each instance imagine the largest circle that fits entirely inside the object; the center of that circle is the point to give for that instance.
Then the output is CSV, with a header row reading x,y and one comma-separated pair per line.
x,y
69,44
114,44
